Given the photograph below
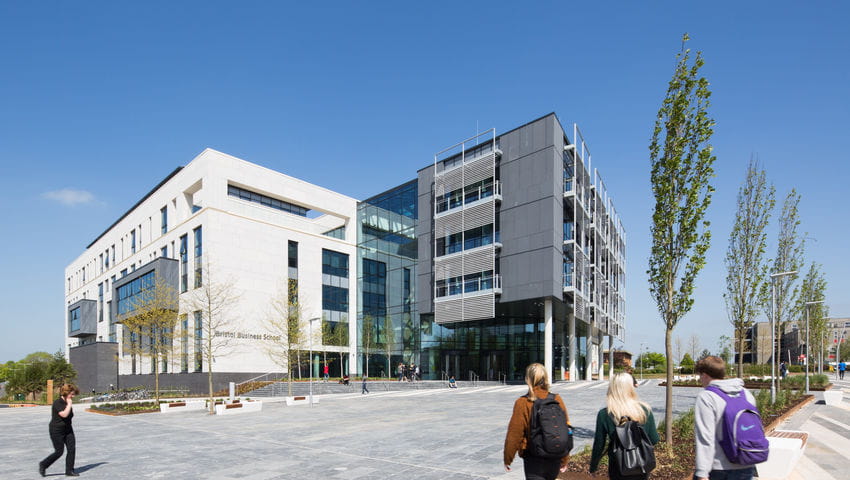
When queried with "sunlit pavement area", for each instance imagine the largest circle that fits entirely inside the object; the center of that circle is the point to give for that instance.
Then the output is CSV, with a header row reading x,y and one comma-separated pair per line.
x,y
421,434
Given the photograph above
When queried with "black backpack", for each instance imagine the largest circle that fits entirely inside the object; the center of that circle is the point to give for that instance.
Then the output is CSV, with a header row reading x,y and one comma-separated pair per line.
x,y
632,453
550,436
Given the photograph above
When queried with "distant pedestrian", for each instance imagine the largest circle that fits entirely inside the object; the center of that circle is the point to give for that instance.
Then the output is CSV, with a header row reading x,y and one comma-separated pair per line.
x,y
416,374
711,459
517,438
364,390
623,404
325,372
452,382
61,431
783,370
400,371
841,368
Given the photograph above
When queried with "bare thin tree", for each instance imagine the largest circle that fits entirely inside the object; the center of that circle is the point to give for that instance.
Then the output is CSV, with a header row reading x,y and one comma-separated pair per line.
x,y
287,330
217,300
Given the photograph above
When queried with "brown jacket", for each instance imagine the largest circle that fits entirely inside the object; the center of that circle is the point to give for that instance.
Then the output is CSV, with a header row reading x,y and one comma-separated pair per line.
x,y
516,439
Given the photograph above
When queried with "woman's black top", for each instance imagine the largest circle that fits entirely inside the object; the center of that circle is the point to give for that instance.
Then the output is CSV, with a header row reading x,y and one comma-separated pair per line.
x,y
57,423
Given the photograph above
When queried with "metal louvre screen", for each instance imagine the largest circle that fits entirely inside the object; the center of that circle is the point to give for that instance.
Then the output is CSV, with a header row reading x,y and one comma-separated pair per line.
x,y
459,173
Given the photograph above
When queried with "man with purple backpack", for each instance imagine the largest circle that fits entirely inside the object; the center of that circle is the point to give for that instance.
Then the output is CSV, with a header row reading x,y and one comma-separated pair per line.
x,y
729,434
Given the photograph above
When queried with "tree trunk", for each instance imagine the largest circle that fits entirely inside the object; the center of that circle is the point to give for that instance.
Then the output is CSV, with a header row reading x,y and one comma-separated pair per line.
x,y
741,356
668,401
210,384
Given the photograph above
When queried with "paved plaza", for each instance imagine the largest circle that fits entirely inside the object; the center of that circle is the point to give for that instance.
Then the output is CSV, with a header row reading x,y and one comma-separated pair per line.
x,y
422,434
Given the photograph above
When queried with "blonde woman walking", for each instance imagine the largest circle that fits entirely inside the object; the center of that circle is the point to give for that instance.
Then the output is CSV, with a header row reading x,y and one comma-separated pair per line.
x,y
622,404
517,441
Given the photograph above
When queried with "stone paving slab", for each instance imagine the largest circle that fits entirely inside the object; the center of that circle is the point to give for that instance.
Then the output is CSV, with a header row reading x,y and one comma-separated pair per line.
x,y
427,434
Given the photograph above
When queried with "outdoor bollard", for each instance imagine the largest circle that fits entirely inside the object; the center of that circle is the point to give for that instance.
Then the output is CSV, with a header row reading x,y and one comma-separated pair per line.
x,y
232,391
50,392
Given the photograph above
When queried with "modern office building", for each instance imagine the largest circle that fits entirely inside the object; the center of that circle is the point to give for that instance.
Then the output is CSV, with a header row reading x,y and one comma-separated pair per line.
x,y
223,220
505,250
521,257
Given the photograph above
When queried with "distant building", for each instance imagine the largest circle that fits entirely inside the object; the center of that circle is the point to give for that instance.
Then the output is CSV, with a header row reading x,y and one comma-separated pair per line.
x,y
622,358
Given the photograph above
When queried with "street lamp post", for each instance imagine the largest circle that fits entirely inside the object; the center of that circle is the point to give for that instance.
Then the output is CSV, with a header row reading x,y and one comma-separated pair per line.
x,y
773,326
807,342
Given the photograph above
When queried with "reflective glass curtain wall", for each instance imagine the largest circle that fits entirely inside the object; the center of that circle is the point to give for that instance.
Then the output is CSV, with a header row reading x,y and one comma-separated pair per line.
x,y
387,252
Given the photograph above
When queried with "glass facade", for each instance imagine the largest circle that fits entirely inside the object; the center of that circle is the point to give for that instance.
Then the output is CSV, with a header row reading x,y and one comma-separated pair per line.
x,y
267,201
388,326
74,319
133,293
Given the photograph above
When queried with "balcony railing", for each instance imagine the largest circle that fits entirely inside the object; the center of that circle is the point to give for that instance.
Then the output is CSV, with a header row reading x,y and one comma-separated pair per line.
x,y
471,286
469,197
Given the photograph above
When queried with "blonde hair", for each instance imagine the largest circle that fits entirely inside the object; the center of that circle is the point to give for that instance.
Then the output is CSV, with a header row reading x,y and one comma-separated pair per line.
x,y
622,399
536,376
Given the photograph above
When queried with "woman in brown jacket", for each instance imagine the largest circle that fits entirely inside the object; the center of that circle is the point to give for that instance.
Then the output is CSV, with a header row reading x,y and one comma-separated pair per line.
x,y
516,440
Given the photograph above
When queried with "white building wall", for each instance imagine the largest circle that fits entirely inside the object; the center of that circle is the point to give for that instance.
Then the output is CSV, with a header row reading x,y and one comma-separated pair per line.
x,y
244,242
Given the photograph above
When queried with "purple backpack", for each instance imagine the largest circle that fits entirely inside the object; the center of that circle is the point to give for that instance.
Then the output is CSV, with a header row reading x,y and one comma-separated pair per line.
x,y
743,439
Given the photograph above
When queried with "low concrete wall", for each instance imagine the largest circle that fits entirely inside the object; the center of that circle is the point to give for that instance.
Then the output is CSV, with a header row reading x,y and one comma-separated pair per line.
x,y
190,382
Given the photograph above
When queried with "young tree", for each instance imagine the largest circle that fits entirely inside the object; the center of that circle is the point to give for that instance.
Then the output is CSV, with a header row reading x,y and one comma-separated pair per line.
x,y
789,257
336,334
693,345
678,347
681,161
216,300
287,329
813,289
746,267
153,313
368,340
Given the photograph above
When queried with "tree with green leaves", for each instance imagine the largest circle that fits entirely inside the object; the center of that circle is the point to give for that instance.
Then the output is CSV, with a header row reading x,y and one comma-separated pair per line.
x,y
368,340
813,289
153,315
789,257
335,334
746,266
682,167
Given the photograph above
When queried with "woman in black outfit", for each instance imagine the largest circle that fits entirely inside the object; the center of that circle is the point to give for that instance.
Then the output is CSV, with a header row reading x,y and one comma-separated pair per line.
x,y
61,432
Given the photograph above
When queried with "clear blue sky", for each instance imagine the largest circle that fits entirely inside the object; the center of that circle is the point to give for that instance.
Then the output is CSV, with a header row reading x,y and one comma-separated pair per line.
x,y
104,99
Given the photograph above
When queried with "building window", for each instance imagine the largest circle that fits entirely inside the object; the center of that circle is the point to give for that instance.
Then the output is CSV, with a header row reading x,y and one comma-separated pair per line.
x,y
84,274
133,241
199,264
101,263
293,254
199,335
336,233
123,273
100,302
184,344
470,193
184,263
74,317
113,337
106,259
163,252
334,263
335,298
135,293
474,282
267,201
458,242
163,215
